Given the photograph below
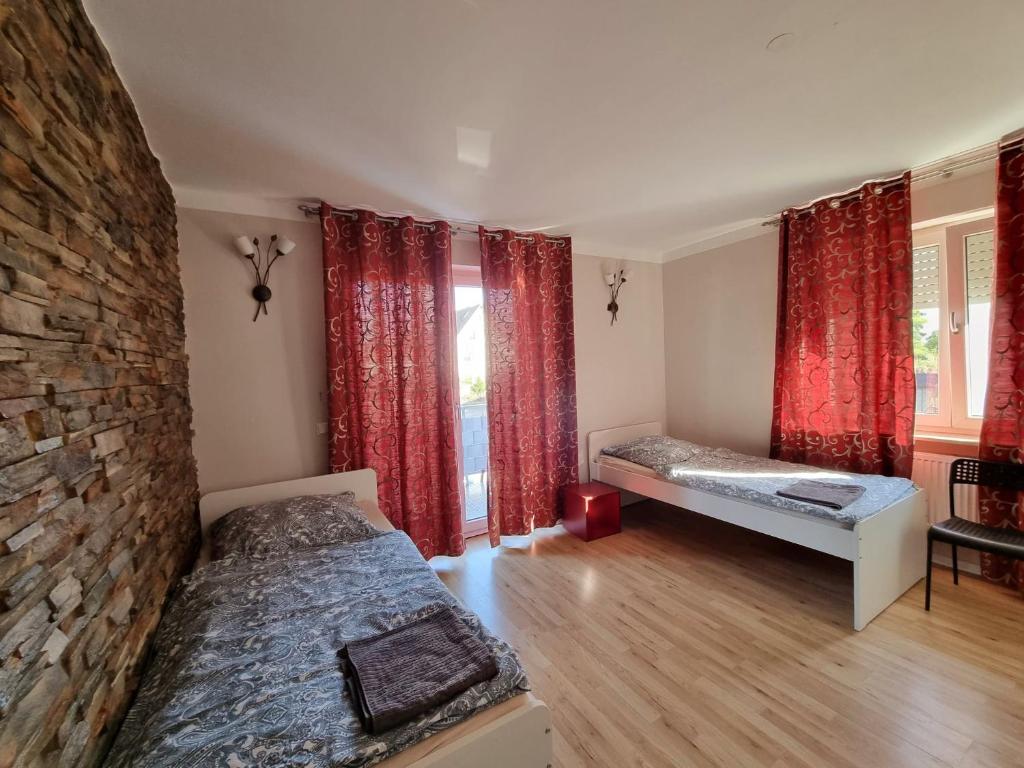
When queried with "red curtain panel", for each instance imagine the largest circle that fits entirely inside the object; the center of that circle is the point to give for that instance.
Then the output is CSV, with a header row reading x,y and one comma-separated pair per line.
x,y
391,368
531,379
844,368
1002,430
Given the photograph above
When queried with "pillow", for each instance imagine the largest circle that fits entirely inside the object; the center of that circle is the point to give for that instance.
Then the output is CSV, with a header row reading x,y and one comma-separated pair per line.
x,y
655,451
301,522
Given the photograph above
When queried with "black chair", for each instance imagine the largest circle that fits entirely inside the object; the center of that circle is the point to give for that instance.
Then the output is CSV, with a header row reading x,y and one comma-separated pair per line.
x,y
958,532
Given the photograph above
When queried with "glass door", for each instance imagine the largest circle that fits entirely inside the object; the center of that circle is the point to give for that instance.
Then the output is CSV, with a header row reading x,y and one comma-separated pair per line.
x,y
471,347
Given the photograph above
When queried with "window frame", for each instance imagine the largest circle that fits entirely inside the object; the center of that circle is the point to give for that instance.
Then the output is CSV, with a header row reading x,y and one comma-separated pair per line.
x,y
938,422
953,419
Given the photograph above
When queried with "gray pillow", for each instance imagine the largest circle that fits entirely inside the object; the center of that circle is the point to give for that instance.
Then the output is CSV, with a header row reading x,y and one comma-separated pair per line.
x,y
655,451
279,527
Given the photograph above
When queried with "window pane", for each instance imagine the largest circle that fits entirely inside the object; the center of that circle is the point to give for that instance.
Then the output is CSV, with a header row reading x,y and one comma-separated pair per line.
x,y
926,328
978,254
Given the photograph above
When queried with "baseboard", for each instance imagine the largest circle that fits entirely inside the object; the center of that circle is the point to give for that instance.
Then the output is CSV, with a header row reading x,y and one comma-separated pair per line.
x,y
963,567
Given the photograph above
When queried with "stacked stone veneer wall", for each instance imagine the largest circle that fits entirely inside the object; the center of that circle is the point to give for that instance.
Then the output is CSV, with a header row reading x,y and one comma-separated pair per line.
x,y
97,478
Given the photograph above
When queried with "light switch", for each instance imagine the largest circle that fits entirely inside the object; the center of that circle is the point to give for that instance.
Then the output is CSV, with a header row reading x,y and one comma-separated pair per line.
x,y
321,428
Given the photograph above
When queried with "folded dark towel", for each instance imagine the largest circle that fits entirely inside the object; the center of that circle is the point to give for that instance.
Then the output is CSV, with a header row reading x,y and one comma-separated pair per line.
x,y
831,495
398,675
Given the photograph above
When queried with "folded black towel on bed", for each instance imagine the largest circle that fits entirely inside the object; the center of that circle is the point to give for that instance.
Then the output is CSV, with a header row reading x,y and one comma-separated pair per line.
x,y
398,675
831,495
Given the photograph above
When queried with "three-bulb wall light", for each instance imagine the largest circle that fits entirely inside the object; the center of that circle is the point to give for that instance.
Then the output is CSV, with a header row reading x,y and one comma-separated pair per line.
x,y
261,262
615,281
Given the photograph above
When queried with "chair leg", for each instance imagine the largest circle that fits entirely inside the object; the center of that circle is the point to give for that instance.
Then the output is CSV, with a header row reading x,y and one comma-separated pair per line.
x,y
956,570
928,579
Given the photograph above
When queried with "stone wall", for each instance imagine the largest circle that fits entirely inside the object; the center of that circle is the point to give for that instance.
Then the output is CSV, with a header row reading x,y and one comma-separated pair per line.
x,y
97,479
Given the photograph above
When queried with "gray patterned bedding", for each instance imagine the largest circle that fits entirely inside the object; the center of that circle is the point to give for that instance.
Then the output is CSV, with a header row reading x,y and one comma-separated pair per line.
x,y
246,671
728,473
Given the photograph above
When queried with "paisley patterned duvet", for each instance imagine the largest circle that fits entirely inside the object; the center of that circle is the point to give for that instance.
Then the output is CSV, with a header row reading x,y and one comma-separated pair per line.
x,y
727,473
246,672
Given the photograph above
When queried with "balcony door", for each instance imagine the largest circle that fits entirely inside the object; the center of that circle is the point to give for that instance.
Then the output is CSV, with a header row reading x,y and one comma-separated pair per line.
x,y
471,347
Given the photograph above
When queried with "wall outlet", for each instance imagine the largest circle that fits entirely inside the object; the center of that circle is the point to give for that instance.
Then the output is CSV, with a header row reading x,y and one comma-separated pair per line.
x,y
321,427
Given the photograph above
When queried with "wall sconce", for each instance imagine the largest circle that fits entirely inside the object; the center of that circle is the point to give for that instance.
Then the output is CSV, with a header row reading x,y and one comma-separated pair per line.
x,y
261,264
614,281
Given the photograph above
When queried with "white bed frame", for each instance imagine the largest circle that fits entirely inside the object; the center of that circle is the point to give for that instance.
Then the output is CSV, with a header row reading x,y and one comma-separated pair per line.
x,y
513,734
888,549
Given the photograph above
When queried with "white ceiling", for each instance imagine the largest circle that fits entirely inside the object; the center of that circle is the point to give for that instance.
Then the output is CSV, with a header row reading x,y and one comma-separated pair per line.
x,y
638,127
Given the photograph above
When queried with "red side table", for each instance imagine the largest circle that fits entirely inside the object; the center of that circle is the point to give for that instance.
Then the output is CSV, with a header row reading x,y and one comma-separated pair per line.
x,y
591,510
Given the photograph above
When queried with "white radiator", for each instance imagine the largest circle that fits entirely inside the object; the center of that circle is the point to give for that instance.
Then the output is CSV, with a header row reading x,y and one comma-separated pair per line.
x,y
931,472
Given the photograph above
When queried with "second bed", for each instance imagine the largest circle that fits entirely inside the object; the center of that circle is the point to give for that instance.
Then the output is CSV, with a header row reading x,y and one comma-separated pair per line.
x,y
883,534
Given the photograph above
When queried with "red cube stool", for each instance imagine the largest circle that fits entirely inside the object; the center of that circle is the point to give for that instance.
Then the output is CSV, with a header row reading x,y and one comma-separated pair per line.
x,y
591,510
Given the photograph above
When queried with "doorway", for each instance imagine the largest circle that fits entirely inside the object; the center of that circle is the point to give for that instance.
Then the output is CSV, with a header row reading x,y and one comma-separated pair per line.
x,y
471,350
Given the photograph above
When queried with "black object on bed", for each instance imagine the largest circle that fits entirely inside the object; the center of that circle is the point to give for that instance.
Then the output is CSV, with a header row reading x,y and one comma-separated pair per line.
x,y
399,674
831,495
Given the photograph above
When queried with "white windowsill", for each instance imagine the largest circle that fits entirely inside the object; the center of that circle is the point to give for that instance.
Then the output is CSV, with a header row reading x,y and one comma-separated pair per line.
x,y
947,438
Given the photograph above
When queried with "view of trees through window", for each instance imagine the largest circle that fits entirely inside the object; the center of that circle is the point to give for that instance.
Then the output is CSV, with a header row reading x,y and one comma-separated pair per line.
x,y
925,320
926,359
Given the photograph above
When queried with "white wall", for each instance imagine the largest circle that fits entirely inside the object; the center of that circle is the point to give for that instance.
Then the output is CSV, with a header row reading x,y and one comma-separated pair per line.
x,y
720,344
620,369
258,388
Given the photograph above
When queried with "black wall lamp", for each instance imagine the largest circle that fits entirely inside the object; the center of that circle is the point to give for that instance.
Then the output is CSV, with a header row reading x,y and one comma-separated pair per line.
x,y
615,281
261,262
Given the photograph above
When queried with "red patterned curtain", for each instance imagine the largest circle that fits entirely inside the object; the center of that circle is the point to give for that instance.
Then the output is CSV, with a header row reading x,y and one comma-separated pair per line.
x,y
391,368
531,378
844,368
1002,431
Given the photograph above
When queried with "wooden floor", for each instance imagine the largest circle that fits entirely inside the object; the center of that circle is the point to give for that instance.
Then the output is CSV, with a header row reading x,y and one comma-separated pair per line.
x,y
684,641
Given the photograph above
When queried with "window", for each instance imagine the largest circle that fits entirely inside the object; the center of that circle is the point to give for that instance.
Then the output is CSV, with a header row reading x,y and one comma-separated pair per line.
x,y
953,274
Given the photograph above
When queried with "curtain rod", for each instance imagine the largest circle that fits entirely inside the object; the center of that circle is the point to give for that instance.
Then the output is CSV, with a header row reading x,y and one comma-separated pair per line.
x,y
944,167
456,226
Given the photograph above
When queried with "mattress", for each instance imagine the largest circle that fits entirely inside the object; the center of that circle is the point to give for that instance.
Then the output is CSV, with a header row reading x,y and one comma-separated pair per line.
x,y
614,461
727,473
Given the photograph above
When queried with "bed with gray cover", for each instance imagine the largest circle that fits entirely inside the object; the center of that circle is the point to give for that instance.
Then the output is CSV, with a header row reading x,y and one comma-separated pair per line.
x,y
246,668
728,473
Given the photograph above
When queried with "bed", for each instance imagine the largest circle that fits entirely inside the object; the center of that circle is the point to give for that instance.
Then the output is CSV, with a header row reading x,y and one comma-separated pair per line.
x,y
293,723
887,547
